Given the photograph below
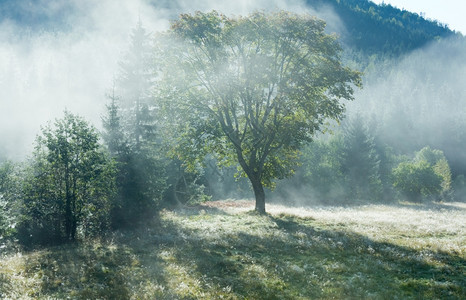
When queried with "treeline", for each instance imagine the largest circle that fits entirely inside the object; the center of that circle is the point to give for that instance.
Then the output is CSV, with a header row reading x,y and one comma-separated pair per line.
x,y
355,166
74,186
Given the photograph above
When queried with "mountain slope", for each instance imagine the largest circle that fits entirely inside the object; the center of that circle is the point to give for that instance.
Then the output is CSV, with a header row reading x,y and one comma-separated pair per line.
x,y
372,28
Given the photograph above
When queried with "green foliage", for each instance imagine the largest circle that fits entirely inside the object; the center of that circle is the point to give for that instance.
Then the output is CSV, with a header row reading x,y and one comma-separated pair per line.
x,y
10,197
186,186
417,180
346,168
437,160
431,156
131,137
250,89
355,167
68,185
113,134
321,162
360,162
383,29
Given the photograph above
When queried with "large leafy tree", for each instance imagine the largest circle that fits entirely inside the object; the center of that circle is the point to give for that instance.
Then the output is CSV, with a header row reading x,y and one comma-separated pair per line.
x,y
69,185
251,89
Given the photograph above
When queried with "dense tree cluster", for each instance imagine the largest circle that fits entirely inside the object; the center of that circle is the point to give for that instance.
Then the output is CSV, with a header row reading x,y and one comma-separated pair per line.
x,y
130,135
353,166
68,185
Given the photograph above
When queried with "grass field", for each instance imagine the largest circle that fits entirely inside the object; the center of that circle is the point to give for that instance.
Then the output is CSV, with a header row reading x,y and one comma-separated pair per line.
x,y
221,250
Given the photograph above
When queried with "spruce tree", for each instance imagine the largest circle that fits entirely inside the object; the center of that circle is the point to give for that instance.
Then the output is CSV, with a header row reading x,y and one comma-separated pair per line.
x,y
130,134
360,162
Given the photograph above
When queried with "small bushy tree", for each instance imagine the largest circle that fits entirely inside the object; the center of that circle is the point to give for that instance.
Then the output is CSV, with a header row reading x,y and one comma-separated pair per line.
x,y
437,160
68,185
417,180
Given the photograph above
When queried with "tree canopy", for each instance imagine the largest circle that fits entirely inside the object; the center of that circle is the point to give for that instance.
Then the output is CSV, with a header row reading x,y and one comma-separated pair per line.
x,y
251,89
69,184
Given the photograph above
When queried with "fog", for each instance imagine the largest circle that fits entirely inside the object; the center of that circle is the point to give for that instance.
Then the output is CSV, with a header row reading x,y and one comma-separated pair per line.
x,y
57,55
419,100
60,62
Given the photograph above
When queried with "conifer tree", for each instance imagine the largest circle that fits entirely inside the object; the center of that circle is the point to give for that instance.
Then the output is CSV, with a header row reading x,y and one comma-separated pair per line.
x,y
113,131
360,162
135,83
130,134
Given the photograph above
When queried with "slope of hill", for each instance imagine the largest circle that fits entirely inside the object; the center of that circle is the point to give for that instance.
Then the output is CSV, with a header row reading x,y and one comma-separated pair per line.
x,y
373,28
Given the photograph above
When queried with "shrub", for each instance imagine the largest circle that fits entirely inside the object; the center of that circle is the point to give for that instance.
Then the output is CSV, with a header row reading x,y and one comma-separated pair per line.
x,y
417,180
68,185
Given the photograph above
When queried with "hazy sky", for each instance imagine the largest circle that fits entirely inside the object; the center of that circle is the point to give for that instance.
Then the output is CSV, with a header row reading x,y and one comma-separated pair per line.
x,y
450,12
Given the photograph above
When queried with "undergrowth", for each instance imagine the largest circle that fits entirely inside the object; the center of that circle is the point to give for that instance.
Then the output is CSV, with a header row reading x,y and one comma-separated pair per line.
x,y
374,252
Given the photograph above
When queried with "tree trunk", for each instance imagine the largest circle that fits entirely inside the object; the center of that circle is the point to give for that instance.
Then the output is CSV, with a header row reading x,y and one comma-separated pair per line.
x,y
74,226
68,217
259,194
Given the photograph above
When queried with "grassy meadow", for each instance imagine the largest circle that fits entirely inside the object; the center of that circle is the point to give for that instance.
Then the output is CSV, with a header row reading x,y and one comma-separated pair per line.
x,y
222,250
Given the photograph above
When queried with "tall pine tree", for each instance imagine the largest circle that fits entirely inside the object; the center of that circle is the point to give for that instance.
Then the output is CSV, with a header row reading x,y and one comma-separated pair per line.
x,y
130,134
360,162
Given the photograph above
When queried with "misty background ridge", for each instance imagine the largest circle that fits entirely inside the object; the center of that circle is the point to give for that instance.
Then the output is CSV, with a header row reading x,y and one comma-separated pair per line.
x,y
57,55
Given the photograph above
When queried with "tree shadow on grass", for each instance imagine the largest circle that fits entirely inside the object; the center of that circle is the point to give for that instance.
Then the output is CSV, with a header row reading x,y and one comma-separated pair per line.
x,y
410,273
126,265
80,271
5,285
199,209
300,261
289,259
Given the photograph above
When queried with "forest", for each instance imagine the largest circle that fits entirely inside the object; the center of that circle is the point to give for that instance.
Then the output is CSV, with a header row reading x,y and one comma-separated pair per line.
x,y
262,155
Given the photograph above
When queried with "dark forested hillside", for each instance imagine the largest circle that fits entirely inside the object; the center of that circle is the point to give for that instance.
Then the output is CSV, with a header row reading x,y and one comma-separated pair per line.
x,y
372,28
